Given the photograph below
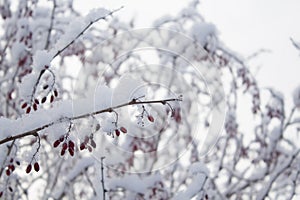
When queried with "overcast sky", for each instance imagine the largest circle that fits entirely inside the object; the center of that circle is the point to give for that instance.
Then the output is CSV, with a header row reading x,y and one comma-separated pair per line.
x,y
245,26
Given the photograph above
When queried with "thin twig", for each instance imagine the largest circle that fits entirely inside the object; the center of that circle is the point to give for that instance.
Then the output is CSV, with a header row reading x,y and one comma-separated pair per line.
x,y
102,178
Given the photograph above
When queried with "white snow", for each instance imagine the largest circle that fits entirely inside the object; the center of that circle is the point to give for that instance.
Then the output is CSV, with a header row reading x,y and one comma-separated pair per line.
x,y
296,96
41,59
134,182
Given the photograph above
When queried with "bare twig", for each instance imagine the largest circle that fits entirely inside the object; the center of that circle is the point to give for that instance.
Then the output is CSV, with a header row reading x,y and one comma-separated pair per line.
x,y
102,178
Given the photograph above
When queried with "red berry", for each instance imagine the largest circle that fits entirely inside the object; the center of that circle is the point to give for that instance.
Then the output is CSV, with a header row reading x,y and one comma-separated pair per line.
x,y
10,189
62,152
43,99
71,144
45,87
18,162
36,167
1,193
11,160
124,130
28,169
34,107
36,101
71,151
56,143
51,98
65,146
24,105
7,172
90,149
82,146
150,118
55,93
117,132
28,110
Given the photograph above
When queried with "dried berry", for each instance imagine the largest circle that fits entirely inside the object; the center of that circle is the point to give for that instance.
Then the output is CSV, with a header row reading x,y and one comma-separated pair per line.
x,y
24,105
124,130
28,169
43,99
117,132
36,167
90,149
56,143
28,110
150,118
82,146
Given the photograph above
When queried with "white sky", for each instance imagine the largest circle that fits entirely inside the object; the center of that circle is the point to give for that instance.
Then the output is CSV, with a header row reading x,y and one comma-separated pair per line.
x,y
245,26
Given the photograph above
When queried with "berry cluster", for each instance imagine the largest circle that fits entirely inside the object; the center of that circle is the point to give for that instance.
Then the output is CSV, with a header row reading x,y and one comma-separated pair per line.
x,y
88,143
28,107
66,145
11,166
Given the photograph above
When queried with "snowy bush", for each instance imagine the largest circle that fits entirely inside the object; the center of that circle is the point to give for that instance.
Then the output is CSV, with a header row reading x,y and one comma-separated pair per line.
x,y
91,108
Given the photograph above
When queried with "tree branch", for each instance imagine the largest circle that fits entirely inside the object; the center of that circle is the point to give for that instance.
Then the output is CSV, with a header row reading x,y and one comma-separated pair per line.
x,y
34,132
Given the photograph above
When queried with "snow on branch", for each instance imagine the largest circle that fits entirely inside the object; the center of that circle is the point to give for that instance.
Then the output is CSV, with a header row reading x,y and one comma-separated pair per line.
x,y
25,125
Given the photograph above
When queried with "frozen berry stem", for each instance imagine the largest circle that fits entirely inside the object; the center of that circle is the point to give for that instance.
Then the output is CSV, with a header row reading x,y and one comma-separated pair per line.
x,y
34,132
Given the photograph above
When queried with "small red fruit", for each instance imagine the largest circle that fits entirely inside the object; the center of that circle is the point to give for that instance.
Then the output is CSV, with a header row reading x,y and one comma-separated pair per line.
x,y
28,110
93,143
34,107
62,152
28,169
82,146
56,143
71,144
117,132
51,98
36,101
36,167
71,151
55,93
62,138
150,118
24,105
43,99
64,146
7,172
124,130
